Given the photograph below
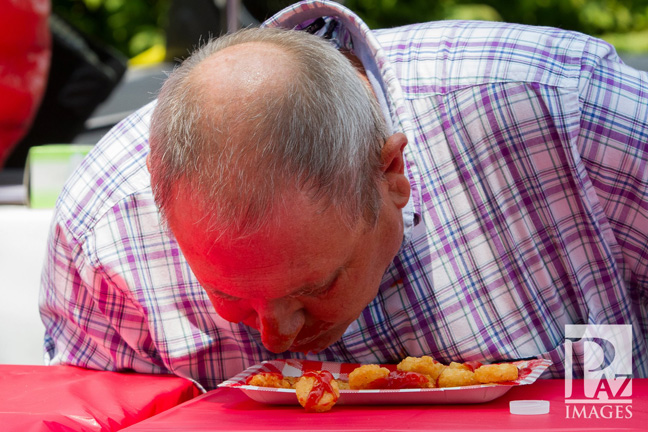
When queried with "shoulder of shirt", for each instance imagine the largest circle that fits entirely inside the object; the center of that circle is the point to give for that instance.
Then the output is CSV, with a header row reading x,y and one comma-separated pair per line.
x,y
445,55
113,172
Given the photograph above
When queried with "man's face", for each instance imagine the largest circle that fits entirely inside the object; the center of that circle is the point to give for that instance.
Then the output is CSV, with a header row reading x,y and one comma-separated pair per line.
x,y
300,283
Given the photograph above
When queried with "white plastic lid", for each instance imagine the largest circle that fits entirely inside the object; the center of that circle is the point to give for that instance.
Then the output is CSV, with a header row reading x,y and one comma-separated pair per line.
x,y
529,407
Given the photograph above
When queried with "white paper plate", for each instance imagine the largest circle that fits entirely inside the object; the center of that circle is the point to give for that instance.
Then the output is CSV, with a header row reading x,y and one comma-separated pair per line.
x,y
529,371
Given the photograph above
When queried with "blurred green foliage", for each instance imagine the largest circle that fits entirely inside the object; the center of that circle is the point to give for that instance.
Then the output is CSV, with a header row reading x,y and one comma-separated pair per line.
x,y
130,26
623,23
133,26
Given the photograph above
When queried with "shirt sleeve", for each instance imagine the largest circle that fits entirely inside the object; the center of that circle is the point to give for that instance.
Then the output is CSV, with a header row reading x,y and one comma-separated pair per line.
x,y
87,323
613,147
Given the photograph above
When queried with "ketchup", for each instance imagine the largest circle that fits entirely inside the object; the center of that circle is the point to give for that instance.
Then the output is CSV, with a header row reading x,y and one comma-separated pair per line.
x,y
400,380
473,365
321,385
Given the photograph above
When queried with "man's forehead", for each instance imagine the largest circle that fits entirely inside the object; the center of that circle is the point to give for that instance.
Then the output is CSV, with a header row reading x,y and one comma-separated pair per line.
x,y
305,245
268,270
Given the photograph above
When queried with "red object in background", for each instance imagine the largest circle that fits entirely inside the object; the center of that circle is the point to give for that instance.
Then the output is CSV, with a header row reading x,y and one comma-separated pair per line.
x,y
25,50
68,398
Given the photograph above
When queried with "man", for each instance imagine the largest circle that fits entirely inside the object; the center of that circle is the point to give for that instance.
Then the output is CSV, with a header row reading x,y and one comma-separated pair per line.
x,y
461,190
295,243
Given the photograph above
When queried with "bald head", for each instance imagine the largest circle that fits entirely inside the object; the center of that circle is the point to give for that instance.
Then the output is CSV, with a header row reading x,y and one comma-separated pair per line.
x,y
255,115
241,75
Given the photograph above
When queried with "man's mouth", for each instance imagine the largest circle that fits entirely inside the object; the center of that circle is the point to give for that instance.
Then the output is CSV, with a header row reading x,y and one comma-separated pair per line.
x,y
312,339
306,345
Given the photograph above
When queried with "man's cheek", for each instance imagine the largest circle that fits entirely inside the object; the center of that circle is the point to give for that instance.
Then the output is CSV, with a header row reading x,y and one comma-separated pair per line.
x,y
338,311
231,312
251,321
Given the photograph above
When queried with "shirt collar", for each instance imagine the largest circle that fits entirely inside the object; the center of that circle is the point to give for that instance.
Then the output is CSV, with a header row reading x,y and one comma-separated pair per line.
x,y
346,30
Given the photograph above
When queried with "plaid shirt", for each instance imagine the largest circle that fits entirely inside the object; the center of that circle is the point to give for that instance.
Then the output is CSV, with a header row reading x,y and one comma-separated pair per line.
x,y
528,163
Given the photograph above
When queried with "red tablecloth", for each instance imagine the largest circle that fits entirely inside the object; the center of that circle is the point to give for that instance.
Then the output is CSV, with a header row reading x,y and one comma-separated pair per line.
x,y
230,410
67,398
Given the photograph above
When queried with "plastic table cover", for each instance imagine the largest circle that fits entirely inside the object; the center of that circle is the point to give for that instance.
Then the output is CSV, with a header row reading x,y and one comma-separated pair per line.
x,y
67,398
229,409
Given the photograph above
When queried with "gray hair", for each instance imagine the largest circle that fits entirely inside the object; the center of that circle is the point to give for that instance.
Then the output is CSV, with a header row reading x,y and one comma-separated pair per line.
x,y
323,134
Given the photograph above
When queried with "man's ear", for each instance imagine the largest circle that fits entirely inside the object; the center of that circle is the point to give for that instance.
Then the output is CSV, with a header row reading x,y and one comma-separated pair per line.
x,y
393,168
148,163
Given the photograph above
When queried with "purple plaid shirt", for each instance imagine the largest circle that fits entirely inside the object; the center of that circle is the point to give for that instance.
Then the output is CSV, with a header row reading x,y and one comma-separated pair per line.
x,y
528,160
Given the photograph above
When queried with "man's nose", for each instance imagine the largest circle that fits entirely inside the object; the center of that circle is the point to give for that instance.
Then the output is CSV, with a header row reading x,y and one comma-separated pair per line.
x,y
279,323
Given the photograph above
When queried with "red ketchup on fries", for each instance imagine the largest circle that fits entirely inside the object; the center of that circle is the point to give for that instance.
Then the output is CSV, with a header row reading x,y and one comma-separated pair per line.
x,y
400,380
321,386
